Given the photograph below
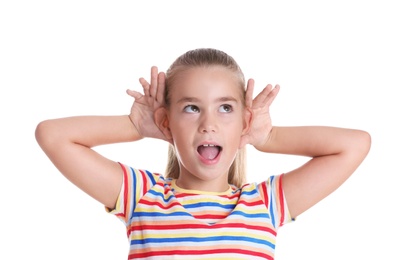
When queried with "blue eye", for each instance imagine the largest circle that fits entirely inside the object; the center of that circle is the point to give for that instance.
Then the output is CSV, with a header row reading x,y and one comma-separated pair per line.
x,y
191,109
225,108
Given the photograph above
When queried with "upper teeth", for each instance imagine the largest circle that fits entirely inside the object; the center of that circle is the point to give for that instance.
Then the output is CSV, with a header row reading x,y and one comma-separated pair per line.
x,y
209,145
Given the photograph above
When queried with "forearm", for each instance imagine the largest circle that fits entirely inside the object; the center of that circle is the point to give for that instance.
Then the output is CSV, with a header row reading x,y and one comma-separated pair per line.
x,y
313,141
335,154
87,130
68,143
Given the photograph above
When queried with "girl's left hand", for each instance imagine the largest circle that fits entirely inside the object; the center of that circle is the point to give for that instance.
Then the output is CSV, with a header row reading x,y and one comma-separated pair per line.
x,y
261,124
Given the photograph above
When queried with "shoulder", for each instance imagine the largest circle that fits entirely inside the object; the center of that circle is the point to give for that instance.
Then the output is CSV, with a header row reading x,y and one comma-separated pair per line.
x,y
132,174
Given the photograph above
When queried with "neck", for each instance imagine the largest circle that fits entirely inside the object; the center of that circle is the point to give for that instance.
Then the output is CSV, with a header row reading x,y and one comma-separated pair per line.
x,y
191,182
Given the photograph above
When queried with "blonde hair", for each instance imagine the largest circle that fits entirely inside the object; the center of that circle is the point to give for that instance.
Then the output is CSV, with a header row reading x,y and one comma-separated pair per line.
x,y
206,57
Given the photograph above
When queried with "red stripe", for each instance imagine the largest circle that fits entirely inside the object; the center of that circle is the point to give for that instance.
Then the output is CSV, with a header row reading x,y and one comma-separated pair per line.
x,y
144,180
183,195
253,203
160,205
264,194
209,216
202,226
200,252
125,194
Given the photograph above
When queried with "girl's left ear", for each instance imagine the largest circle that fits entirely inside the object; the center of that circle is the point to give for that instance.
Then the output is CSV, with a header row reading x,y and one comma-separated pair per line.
x,y
248,115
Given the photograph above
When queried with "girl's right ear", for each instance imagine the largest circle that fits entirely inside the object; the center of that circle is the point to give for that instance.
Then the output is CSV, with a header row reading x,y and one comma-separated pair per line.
x,y
162,121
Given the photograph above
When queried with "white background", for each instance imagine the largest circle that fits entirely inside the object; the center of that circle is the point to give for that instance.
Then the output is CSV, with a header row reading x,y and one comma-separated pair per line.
x,y
339,63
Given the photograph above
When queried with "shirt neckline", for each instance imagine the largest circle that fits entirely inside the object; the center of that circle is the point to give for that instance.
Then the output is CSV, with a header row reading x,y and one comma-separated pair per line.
x,y
199,192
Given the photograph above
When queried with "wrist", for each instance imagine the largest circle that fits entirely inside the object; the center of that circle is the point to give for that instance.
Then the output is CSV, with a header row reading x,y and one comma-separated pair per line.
x,y
266,144
133,129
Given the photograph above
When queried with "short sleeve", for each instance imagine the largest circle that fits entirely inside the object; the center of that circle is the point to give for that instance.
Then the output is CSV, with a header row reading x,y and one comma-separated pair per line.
x,y
135,184
273,196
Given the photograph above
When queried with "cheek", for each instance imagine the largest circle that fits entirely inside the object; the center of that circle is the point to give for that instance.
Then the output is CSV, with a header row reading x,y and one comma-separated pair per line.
x,y
181,130
236,121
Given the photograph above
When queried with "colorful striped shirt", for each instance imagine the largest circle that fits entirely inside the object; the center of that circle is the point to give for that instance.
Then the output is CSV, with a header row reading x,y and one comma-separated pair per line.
x,y
164,221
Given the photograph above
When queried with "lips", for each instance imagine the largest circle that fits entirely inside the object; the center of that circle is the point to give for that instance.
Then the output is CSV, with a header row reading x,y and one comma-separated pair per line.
x,y
209,151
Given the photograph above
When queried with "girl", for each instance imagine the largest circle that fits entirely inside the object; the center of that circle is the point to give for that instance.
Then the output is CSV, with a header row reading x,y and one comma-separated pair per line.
x,y
202,208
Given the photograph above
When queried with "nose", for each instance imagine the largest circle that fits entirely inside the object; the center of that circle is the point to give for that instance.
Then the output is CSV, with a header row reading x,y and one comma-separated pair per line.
x,y
208,123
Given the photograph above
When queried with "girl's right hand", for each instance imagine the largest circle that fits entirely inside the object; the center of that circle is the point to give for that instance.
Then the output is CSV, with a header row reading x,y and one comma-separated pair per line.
x,y
144,105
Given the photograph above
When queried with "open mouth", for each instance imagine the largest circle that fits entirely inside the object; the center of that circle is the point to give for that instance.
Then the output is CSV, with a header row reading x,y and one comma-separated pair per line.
x,y
209,151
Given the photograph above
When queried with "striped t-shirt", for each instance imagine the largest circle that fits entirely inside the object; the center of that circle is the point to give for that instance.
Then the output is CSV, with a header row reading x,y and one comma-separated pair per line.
x,y
164,221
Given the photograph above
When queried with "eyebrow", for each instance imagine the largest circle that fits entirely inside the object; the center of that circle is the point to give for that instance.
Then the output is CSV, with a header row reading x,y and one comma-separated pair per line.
x,y
193,99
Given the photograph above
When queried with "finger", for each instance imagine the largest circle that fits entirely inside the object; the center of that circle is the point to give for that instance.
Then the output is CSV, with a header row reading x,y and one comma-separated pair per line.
x,y
145,85
153,82
272,95
134,94
261,98
161,87
249,92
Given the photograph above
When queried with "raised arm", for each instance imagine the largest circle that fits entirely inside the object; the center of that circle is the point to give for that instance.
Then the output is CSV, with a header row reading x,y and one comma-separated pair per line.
x,y
68,142
335,152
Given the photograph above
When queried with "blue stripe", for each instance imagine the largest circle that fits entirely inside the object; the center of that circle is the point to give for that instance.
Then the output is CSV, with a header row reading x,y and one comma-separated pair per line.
x,y
251,192
209,204
255,215
161,195
132,189
151,177
202,239
159,214
271,200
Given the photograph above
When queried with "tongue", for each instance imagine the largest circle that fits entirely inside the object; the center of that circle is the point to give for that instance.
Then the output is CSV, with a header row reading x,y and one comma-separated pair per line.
x,y
208,152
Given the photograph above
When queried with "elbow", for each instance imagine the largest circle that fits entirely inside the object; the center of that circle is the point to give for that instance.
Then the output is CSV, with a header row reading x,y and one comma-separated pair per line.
x,y
39,132
44,133
359,146
365,142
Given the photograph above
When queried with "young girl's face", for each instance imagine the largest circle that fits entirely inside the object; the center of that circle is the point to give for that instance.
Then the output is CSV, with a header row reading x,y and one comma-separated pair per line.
x,y
207,119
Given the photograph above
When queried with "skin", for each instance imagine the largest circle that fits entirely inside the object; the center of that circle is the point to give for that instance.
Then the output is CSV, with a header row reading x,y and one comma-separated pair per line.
x,y
206,108
198,114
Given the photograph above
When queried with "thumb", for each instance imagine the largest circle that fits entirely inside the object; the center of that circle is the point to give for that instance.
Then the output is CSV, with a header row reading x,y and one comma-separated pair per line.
x,y
133,93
